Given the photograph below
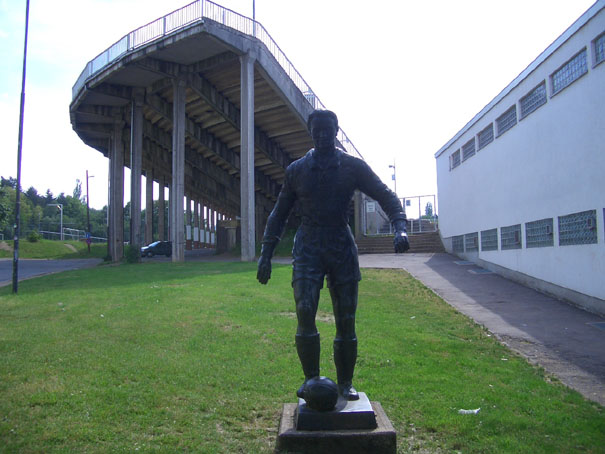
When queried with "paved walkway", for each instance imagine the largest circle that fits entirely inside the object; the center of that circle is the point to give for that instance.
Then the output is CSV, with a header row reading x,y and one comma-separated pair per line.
x,y
29,268
566,341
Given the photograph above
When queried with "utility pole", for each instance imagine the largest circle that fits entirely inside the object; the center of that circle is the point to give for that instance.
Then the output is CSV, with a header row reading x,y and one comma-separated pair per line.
x,y
19,147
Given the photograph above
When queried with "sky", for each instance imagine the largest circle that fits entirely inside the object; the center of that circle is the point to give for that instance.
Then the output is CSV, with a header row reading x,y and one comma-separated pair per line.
x,y
403,76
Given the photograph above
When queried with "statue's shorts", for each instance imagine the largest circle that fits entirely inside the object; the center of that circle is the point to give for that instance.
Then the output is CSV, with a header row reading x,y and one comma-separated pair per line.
x,y
324,251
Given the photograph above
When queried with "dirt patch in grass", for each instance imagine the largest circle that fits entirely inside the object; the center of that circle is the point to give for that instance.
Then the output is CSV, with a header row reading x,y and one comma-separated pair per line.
x,y
70,247
5,247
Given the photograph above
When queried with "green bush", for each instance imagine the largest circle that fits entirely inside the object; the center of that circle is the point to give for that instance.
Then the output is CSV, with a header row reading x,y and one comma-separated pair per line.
x,y
132,254
33,237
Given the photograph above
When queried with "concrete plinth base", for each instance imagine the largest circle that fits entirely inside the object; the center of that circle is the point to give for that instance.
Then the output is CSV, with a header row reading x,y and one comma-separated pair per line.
x,y
347,415
381,440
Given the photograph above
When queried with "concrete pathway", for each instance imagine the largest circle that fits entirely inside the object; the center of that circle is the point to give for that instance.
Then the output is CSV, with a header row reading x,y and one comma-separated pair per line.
x,y
29,268
566,341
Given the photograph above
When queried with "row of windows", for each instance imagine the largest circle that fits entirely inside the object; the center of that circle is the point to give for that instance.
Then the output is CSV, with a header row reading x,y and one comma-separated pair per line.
x,y
573,229
571,71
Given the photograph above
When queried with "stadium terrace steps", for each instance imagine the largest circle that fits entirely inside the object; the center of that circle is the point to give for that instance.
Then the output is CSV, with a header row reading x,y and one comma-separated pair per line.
x,y
420,242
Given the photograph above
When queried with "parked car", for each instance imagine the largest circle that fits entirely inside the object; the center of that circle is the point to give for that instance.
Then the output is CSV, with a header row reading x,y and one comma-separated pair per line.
x,y
157,248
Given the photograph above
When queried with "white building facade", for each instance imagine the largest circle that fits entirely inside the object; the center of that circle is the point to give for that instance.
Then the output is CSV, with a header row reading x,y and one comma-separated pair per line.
x,y
522,186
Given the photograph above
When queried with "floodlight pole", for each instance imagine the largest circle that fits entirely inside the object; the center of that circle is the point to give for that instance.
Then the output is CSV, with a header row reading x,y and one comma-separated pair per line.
x,y
394,175
254,18
19,147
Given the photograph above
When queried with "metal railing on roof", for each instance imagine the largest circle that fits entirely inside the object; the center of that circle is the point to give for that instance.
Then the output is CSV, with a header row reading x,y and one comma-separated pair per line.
x,y
193,12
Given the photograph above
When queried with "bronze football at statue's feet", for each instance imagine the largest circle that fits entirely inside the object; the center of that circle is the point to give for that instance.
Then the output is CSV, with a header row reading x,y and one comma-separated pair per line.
x,y
348,392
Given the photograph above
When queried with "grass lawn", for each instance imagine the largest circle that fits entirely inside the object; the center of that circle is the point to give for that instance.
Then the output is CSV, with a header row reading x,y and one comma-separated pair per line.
x,y
199,357
50,249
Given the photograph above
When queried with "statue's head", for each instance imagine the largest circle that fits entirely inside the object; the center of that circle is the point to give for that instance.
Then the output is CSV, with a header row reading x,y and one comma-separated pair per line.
x,y
322,115
323,126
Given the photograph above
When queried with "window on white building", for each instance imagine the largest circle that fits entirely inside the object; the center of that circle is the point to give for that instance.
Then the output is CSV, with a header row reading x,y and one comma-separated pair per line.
x,y
569,72
489,240
510,237
486,136
471,242
458,243
534,99
455,159
578,228
468,149
506,121
599,49
539,233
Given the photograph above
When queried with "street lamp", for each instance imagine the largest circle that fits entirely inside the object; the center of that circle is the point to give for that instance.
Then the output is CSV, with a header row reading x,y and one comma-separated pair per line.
x,y
394,177
88,211
60,206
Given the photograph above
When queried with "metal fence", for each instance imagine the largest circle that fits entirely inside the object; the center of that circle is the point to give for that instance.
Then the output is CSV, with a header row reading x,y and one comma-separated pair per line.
x,y
188,15
376,222
70,234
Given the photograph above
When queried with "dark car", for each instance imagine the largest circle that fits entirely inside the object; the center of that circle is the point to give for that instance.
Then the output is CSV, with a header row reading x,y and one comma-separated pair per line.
x,y
157,248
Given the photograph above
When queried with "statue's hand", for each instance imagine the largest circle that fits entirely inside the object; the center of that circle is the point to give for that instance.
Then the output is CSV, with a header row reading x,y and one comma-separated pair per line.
x,y
401,242
264,269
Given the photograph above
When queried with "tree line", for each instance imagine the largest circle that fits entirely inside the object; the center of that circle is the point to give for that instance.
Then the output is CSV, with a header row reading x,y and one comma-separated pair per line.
x,y
39,213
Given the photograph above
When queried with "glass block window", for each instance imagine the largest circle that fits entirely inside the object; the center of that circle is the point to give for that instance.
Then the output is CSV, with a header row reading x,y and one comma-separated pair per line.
x,y
507,120
578,228
489,240
471,242
569,72
510,237
458,243
539,233
533,100
455,159
486,136
468,149
599,49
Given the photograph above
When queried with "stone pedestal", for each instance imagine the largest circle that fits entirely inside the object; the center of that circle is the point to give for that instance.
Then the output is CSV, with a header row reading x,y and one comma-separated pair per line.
x,y
381,439
347,415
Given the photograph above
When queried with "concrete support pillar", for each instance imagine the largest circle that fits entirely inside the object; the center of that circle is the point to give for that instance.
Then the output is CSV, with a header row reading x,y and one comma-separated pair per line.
x,y
161,210
149,207
188,226
177,193
116,194
206,226
169,218
136,156
211,211
247,158
196,225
